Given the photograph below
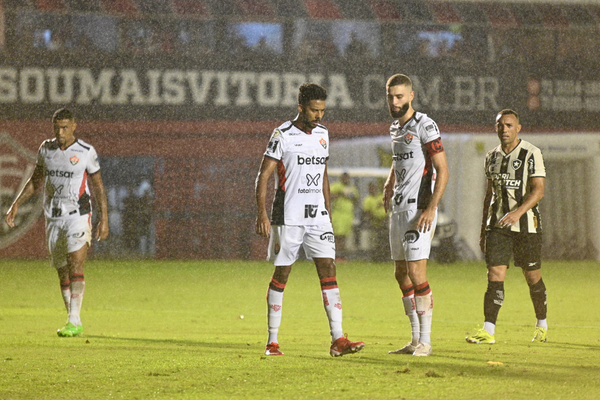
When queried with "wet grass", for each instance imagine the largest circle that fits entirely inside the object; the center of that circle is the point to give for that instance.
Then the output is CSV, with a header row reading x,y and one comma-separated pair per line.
x,y
174,329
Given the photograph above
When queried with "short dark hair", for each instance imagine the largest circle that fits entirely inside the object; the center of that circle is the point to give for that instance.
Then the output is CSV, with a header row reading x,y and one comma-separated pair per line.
x,y
508,111
62,113
398,79
311,91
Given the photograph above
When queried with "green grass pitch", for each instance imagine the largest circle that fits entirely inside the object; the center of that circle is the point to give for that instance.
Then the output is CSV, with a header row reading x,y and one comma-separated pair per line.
x,y
174,330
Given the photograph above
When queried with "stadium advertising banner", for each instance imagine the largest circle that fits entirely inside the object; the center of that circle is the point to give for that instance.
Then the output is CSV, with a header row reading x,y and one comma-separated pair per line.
x,y
450,96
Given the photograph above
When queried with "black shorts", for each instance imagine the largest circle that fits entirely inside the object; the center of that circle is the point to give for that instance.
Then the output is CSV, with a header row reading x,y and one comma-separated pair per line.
x,y
501,245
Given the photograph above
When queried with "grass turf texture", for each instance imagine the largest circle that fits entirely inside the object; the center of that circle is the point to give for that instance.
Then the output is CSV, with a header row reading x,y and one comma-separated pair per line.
x,y
173,329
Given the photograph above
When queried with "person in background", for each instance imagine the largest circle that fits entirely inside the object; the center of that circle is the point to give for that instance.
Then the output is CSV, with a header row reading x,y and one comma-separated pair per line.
x,y
344,197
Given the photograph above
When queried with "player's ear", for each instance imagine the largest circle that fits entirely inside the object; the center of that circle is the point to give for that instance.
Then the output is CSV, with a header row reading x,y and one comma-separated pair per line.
x,y
300,108
518,128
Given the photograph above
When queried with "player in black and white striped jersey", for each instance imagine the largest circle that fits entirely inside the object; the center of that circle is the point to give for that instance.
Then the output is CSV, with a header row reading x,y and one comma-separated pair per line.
x,y
511,225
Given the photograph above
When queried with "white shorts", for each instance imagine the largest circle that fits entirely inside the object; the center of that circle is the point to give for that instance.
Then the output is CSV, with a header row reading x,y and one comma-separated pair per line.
x,y
285,241
67,235
406,242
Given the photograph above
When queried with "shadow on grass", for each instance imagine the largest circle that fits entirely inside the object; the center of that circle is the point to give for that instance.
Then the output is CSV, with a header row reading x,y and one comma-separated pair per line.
x,y
176,342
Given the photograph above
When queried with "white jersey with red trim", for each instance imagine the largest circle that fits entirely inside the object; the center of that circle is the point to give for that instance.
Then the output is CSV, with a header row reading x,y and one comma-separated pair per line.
x,y
66,192
412,147
302,158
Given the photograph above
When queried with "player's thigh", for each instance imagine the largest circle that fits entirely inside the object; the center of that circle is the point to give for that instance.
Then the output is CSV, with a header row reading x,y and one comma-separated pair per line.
x,y
498,247
528,251
78,233
406,242
284,244
319,241
56,241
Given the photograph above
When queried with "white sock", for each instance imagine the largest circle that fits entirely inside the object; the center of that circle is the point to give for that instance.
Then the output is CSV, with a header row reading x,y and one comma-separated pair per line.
x,y
275,304
424,307
489,327
65,290
542,323
332,302
411,313
77,291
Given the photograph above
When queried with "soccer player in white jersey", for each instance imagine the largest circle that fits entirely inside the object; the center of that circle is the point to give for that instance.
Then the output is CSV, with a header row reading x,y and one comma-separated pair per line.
x,y
298,151
511,225
64,167
412,192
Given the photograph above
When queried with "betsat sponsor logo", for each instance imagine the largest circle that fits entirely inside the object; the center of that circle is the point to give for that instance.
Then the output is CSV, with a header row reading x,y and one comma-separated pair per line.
x,y
403,156
311,160
59,173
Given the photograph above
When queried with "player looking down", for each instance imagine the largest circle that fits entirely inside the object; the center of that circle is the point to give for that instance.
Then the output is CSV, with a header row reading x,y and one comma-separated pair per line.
x,y
412,192
64,166
298,150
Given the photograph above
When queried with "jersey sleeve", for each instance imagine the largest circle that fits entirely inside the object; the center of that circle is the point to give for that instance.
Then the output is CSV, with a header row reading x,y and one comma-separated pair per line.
x,y
486,166
429,131
535,164
40,157
275,146
93,164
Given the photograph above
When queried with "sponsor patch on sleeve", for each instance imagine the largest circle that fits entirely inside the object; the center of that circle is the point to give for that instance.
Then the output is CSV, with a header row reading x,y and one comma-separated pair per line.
x,y
431,130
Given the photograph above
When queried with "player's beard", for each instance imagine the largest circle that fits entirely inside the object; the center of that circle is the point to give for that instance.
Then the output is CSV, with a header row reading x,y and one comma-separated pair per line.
x,y
401,112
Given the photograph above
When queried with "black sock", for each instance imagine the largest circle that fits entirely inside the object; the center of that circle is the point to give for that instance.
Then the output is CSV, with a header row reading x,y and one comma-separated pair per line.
x,y
492,301
538,297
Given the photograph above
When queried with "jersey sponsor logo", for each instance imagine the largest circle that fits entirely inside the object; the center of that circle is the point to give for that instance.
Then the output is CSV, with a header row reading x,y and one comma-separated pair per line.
x,y
402,156
323,143
311,160
411,236
74,160
328,236
59,174
408,138
516,164
308,191
312,180
310,210
507,182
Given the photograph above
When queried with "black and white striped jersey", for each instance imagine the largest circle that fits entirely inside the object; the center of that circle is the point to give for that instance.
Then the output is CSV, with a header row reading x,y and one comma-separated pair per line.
x,y
510,175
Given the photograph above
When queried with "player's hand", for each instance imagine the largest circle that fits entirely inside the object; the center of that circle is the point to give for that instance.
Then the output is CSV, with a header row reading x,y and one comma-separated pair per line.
x,y
11,214
425,221
509,220
102,229
263,225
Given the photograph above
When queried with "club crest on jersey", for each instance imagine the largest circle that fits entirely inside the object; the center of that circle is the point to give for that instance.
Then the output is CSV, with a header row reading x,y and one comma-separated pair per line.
x,y
516,164
74,160
323,143
408,138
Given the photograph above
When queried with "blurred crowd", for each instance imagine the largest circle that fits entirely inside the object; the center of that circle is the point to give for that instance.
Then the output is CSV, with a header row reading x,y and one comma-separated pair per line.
x,y
30,33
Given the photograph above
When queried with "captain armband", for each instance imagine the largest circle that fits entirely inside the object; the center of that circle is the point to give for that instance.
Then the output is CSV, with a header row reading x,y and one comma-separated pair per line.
x,y
434,147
